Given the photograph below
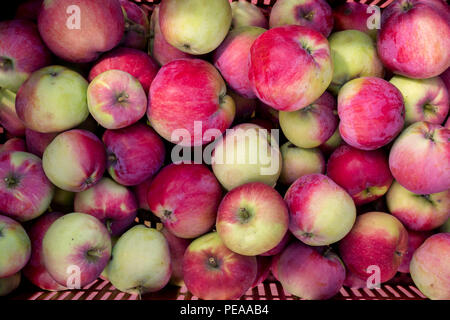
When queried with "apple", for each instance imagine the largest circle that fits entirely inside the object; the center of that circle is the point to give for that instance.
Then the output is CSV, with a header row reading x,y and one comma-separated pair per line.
x,y
35,270
418,212
141,261
116,99
354,16
21,53
425,99
186,91
8,116
320,211
298,162
354,55
185,197
415,240
158,47
245,13
429,267
312,125
371,112
290,67
244,107
134,153
80,34
109,202
141,193
25,192
247,153
13,144
195,26
75,160
445,227
332,143
214,272
280,246
135,62
29,10
177,248
252,219
414,40
376,246
76,249
426,146
53,99
263,270
363,174
353,281
136,25
314,14
15,247
9,284
231,58
310,272
37,142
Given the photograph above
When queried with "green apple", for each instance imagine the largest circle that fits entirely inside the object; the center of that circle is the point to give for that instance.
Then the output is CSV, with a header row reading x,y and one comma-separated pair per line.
x,y
9,284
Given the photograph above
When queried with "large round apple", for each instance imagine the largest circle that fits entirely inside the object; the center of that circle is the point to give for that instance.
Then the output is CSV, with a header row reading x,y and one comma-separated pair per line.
x,y
290,67
188,97
252,219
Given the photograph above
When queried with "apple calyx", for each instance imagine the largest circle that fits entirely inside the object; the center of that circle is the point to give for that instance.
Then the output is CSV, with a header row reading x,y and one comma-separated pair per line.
x,y
429,135
244,215
406,6
112,158
212,262
6,64
308,234
11,181
307,15
122,97
426,197
428,108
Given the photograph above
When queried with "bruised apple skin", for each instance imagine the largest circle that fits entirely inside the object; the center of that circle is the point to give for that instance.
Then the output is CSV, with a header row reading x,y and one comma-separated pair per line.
x,y
186,91
414,40
290,67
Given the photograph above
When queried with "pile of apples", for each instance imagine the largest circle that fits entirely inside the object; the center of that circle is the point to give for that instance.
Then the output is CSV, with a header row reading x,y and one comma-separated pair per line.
x,y
98,98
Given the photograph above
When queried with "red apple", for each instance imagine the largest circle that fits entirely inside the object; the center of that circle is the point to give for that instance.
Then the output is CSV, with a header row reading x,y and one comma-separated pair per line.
x,y
37,142
13,144
177,248
263,270
213,272
353,16
353,281
290,67
185,197
371,112
134,153
136,25
141,193
363,174
415,240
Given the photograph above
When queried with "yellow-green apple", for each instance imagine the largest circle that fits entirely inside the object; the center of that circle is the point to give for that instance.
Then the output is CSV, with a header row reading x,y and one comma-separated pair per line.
x,y
321,212
414,39
141,193
332,143
177,248
136,25
418,212
263,270
363,174
375,246
29,10
15,247
415,240
135,62
9,284
290,67
354,16
37,142
425,99
116,99
111,203
141,261
53,99
423,146
8,115
25,191
245,13
195,26
185,197
280,246
311,273
187,98
21,53
312,125
231,58
298,162
429,267
13,144
244,107
76,248
158,47
214,272
445,227
354,55
314,14
371,111
247,153
252,219
75,160
35,270
80,31
134,153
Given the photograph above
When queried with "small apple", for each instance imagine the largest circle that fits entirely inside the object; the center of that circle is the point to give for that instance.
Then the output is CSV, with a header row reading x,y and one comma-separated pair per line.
x,y
13,144
136,25
245,13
